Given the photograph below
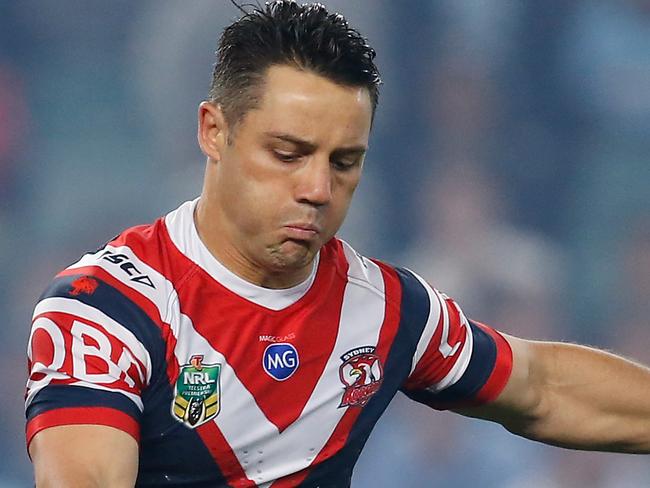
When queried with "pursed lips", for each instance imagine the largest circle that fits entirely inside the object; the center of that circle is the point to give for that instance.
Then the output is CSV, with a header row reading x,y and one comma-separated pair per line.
x,y
302,230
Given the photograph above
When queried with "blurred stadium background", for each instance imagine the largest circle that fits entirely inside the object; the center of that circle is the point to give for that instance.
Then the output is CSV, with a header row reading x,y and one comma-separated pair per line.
x,y
510,164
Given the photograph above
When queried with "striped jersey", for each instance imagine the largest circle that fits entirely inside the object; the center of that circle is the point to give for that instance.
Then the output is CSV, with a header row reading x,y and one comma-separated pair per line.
x,y
227,384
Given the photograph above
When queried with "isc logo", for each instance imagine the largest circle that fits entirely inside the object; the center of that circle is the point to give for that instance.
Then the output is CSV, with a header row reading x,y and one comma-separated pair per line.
x,y
280,361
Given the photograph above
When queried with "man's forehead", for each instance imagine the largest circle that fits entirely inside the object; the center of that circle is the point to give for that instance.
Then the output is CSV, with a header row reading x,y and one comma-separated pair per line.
x,y
287,84
301,104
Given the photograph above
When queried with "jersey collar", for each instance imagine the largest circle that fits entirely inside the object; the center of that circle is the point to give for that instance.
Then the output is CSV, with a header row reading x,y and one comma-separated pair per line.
x,y
182,231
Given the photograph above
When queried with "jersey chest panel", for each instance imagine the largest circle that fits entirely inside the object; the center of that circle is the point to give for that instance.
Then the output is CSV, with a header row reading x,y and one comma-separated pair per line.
x,y
274,427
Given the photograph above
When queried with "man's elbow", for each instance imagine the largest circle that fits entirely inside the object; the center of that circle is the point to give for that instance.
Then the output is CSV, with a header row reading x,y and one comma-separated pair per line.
x,y
528,403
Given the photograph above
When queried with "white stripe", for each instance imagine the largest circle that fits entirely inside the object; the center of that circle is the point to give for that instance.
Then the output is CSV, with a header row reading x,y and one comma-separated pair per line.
x,y
363,271
445,317
82,310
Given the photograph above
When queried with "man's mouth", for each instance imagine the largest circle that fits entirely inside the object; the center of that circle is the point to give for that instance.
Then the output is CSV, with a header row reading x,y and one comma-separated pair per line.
x,y
302,231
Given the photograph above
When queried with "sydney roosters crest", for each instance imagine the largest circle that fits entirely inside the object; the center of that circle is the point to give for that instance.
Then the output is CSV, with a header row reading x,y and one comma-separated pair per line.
x,y
361,373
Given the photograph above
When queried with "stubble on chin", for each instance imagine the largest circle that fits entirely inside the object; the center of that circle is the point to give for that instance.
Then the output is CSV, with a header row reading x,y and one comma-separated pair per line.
x,y
290,255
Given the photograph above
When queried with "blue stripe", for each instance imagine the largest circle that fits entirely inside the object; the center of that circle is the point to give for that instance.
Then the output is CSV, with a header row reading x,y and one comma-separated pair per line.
x,y
57,396
414,312
479,369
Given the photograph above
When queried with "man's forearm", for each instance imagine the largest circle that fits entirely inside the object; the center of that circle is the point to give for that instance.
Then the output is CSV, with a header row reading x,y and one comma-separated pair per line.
x,y
587,399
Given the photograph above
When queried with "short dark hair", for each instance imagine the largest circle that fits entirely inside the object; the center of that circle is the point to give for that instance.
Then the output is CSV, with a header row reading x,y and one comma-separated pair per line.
x,y
283,32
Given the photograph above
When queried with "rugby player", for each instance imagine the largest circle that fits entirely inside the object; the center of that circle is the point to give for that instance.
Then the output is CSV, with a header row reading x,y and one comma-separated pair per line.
x,y
237,342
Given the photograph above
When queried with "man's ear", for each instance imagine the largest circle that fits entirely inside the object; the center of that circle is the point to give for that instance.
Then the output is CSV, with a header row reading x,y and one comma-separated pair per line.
x,y
212,131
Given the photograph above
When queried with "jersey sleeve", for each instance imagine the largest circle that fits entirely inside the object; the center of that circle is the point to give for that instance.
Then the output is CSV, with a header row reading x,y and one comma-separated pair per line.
x,y
458,362
87,363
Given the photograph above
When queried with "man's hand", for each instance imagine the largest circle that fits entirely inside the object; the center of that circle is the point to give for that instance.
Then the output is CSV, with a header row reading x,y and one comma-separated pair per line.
x,y
573,396
84,456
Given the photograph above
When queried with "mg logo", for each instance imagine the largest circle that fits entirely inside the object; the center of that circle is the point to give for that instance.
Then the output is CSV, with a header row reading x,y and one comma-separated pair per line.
x,y
280,360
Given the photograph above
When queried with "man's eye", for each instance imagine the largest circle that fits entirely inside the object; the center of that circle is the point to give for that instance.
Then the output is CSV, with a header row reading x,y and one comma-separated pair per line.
x,y
286,157
343,165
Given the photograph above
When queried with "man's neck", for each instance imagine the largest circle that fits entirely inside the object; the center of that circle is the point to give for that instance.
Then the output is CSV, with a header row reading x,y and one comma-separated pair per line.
x,y
216,240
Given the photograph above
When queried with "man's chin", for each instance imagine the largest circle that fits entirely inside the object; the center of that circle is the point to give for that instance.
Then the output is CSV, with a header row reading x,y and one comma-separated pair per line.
x,y
293,254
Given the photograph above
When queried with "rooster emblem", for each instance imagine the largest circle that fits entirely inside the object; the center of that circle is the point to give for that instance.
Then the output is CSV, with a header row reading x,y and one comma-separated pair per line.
x,y
361,374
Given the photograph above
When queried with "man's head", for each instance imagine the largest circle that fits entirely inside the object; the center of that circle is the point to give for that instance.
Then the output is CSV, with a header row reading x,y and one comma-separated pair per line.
x,y
285,153
283,32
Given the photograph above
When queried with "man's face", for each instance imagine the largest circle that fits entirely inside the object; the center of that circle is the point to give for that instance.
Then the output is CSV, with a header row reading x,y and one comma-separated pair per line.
x,y
285,179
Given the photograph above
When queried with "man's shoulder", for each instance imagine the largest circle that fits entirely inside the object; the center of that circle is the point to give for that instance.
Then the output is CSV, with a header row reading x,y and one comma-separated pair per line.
x,y
393,281
358,268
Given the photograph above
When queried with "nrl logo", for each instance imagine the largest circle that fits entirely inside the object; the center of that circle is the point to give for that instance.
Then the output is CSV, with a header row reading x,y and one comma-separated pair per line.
x,y
197,392
361,373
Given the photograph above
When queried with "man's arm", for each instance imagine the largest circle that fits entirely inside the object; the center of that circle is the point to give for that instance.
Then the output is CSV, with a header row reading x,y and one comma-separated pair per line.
x,y
87,371
573,396
84,456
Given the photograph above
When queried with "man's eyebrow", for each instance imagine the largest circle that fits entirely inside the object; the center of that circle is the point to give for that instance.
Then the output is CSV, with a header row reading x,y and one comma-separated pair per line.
x,y
350,151
310,146
301,143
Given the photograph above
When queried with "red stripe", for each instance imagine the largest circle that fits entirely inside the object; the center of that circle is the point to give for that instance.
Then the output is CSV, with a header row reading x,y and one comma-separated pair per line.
x,y
502,368
392,314
144,303
426,370
224,456
83,416
339,437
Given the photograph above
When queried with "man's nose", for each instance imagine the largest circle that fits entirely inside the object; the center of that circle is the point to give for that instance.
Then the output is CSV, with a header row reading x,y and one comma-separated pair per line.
x,y
314,183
